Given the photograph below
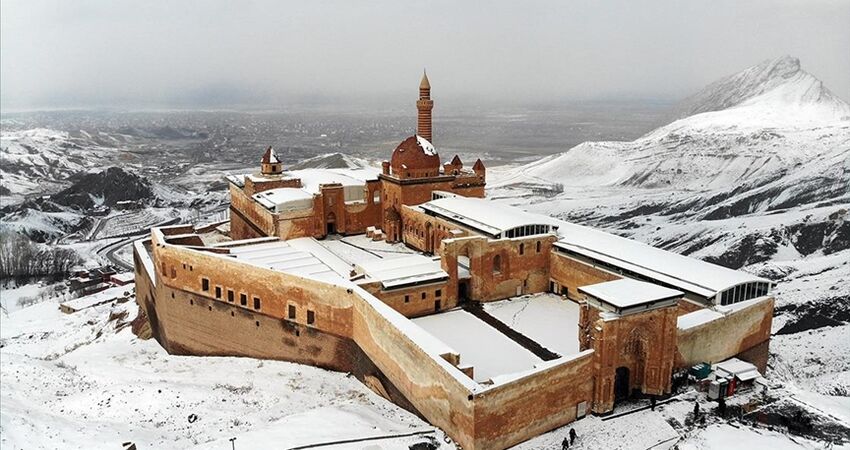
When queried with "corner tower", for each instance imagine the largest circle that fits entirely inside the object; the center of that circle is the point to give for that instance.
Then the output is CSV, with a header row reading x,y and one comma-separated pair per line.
x,y
424,105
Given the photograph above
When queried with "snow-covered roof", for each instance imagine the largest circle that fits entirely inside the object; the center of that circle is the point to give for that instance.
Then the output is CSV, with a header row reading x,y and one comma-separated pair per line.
x,y
402,271
682,272
311,179
302,257
697,318
284,199
426,145
481,214
626,292
742,370
99,298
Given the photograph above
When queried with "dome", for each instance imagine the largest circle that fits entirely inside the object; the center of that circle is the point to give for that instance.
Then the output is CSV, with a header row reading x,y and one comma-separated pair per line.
x,y
417,156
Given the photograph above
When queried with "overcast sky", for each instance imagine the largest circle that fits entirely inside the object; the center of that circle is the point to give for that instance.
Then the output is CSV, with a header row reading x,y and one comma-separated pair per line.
x,y
184,53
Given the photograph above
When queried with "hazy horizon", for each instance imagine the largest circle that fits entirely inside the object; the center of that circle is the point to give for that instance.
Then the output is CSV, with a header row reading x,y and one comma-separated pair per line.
x,y
257,54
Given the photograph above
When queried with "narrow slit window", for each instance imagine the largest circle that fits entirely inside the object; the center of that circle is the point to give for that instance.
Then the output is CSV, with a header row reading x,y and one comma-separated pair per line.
x,y
311,317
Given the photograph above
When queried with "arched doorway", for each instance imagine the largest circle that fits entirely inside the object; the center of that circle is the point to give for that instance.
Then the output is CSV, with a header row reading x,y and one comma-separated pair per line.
x,y
331,223
621,384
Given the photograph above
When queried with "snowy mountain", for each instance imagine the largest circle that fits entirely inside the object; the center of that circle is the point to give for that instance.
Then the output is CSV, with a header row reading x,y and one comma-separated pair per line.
x,y
37,159
782,75
757,177
332,161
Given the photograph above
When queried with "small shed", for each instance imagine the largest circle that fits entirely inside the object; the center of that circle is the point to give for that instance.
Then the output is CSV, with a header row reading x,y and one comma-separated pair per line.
x,y
123,279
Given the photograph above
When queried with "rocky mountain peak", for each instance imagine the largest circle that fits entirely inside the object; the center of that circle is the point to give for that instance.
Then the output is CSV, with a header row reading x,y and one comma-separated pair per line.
x,y
781,79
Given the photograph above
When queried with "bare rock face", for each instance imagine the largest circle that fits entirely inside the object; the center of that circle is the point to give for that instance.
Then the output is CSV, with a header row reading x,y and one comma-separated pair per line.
x,y
140,326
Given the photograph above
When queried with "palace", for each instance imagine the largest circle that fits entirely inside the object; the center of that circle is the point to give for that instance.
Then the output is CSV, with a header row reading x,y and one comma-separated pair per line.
x,y
492,323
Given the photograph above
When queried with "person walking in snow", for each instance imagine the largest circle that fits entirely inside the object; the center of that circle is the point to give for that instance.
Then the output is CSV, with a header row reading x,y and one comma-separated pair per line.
x,y
696,410
573,435
565,444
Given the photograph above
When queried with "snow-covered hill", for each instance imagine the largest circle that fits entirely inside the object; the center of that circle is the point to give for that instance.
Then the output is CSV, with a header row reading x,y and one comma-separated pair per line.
x,y
36,160
333,161
757,178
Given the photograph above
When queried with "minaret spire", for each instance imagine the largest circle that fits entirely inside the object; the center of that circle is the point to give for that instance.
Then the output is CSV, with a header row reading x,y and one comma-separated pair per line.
x,y
424,105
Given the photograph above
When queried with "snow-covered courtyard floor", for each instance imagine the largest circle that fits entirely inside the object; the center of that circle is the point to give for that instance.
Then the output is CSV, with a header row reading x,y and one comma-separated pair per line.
x,y
481,346
548,319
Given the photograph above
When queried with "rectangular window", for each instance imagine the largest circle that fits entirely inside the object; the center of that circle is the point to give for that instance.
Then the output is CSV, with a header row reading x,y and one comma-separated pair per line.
x,y
173,272
423,296
218,292
243,299
407,299
311,317
164,269
205,284
292,312
230,295
438,293
257,303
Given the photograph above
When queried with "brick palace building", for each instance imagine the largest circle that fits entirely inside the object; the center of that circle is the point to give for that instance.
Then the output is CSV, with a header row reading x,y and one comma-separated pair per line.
x,y
402,275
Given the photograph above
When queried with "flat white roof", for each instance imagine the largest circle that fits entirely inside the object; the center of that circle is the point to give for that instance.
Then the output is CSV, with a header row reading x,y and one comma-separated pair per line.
x,y
303,257
490,217
683,272
284,199
743,370
404,270
311,179
481,346
626,292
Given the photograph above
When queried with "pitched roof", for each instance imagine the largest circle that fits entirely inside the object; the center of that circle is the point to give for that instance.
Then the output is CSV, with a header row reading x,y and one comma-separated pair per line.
x,y
478,165
270,157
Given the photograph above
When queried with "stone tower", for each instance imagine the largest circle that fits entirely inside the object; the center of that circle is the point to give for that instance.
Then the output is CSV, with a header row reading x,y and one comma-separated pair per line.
x,y
424,105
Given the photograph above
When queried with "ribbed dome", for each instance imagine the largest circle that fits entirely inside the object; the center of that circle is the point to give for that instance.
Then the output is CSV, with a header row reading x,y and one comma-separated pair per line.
x,y
415,154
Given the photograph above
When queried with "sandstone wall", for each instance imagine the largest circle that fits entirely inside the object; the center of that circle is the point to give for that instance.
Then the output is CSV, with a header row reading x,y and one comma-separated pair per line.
x,y
543,400
746,327
417,300
644,343
572,274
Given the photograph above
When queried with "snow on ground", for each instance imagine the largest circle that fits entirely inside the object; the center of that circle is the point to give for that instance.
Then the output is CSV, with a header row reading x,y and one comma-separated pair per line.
x,y
641,430
11,298
72,381
481,346
725,436
548,319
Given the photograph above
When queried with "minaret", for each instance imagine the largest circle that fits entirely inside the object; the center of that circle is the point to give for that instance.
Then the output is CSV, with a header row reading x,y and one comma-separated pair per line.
x,y
424,105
